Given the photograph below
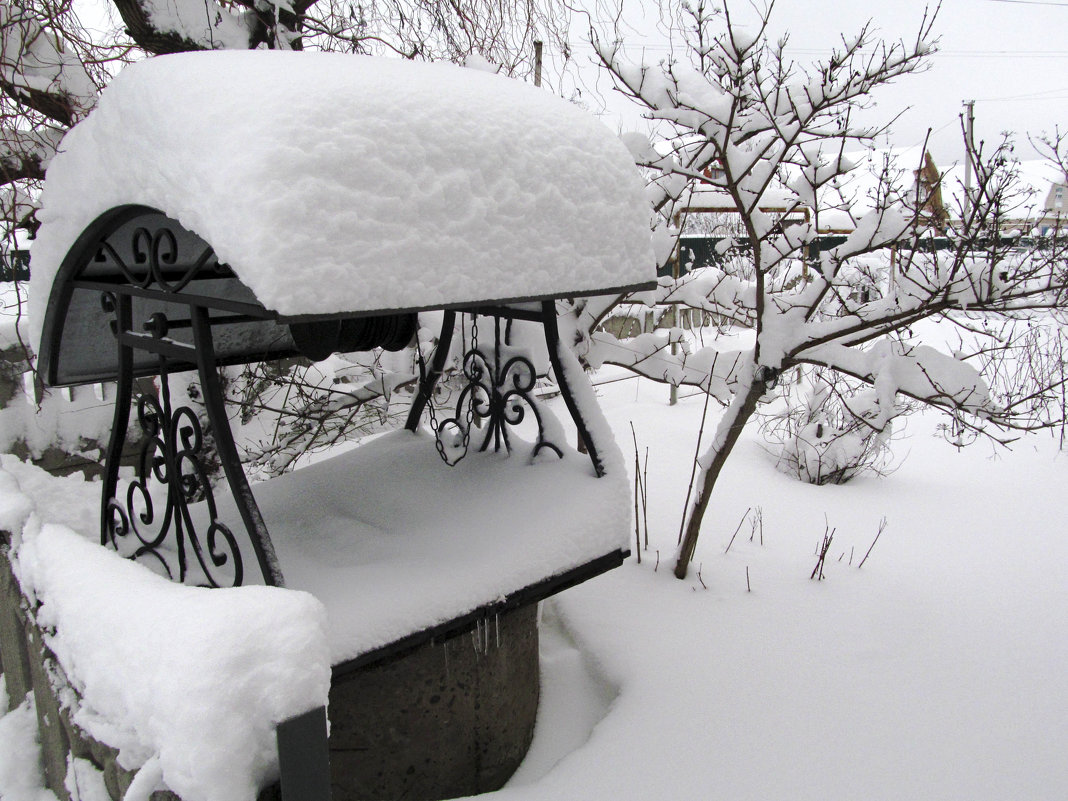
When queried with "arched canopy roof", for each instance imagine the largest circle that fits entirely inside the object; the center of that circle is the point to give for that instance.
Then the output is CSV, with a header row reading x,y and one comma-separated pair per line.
x,y
338,185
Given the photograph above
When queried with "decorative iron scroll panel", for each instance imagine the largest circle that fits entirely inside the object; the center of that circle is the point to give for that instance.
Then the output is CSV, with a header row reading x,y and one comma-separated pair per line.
x,y
160,257
171,457
497,392
156,519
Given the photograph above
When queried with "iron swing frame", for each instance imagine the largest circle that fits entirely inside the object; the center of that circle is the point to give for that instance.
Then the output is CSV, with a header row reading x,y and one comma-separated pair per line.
x,y
162,275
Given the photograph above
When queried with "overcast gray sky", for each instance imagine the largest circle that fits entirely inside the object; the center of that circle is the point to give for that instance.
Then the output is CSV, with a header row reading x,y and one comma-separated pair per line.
x,y
1010,56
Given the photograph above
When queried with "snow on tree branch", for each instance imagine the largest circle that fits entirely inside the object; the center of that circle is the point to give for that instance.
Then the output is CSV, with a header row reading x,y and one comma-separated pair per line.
x,y
917,371
24,155
751,133
741,105
39,69
175,26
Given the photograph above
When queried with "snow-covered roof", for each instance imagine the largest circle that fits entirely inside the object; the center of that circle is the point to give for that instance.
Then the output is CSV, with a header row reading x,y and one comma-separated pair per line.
x,y
861,187
333,183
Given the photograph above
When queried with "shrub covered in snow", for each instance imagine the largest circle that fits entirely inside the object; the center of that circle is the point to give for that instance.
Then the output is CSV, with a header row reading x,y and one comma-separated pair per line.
x,y
822,428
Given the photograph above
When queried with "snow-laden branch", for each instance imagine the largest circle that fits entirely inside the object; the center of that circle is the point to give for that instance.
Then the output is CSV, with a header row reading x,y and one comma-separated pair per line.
x,y
16,206
751,112
40,70
174,26
24,155
709,368
916,371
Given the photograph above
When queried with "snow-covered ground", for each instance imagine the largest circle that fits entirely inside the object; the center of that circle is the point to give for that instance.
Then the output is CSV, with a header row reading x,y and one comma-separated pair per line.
x,y
936,671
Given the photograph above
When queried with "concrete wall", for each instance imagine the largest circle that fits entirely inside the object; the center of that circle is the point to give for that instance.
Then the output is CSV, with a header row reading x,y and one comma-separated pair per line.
x,y
445,719
441,720
28,666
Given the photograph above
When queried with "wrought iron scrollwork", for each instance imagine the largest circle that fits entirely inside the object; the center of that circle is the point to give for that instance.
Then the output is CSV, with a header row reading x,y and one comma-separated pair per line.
x,y
496,395
156,259
170,462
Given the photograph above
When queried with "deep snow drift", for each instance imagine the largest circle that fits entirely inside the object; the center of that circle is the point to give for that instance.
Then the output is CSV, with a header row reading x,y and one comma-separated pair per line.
x,y
936,671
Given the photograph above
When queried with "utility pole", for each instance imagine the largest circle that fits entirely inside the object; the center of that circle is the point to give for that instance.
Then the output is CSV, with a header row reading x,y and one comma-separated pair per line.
x,y
537,63
969,152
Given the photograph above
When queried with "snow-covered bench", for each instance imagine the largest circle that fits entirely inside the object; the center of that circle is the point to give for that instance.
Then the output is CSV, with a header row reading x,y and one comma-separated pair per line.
x,y
222,208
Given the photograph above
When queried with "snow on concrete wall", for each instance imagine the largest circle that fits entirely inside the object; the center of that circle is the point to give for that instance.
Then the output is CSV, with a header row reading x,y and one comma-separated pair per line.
x,y
186,683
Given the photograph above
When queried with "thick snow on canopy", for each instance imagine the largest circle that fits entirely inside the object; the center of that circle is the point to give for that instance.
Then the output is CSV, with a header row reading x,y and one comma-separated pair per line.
x,y
334,183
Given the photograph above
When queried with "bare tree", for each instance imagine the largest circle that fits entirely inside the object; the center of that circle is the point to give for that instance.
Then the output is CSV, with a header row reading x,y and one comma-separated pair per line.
x,y
1054,148
50,72
738,104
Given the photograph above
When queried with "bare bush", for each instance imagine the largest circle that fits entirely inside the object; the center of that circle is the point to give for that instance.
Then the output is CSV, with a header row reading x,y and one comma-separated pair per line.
x,y
820,428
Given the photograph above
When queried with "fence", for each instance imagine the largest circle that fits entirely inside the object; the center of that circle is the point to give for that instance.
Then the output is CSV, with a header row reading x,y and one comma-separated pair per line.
x,y
15,265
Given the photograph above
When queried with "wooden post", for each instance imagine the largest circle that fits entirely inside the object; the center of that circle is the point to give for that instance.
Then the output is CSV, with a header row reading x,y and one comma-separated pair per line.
x,y
969,149
674,392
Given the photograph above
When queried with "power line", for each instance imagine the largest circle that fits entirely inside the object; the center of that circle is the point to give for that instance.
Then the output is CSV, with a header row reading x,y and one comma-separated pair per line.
x,y
1031,3
1019,99
1030,96
816,51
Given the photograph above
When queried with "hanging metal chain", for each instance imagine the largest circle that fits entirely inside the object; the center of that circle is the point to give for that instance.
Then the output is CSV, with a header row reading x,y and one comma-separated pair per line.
x,y
473,378
432,410
497,393
435,425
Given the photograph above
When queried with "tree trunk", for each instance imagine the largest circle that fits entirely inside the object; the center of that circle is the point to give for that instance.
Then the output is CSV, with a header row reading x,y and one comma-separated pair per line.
x,y
140,27
730,428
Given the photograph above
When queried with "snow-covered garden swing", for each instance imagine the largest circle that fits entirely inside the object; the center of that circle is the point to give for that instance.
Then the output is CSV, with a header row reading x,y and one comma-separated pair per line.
x,y
222,208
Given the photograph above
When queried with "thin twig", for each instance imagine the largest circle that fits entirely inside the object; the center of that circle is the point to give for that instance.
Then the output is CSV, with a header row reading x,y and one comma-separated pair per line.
x,y
729,544
645,497
696,452
637,495
882,525
828,536
637,522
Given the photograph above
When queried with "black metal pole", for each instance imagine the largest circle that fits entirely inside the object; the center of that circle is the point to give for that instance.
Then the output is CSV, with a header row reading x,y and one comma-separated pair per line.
x,y
555,346
437,365
224,443
121,420
304,757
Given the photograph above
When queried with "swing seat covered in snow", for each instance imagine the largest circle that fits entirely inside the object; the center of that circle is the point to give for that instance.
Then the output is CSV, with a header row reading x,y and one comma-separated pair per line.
x,y
223,208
